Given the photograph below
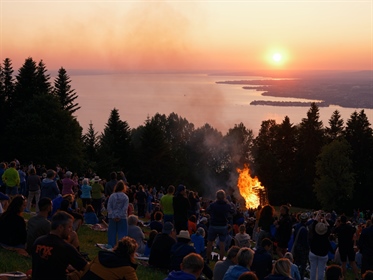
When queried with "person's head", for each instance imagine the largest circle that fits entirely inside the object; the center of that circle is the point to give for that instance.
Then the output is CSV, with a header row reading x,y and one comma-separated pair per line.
x,y
266,244
267,211
170,189
89,209
192,264
51,174
126,247
133,220
242,229
65,205
333,272
232,253
62,224
193,218
152,234
168,228
248,275
45,204
181,189
120,186
113,175
220,195
368,275
245,257
32,171
12,164
68,174
16,206
85,181
282,267
284,209
289,256
158,215
343,219
200,231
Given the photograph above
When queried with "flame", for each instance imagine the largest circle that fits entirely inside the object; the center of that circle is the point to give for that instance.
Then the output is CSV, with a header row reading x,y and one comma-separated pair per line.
x,y
250,188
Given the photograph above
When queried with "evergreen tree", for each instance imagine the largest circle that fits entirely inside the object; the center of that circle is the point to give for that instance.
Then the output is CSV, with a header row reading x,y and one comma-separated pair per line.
x,y
65,94
334,185
359,135
114,145
335,129
26,85
42,79
7,81
91,145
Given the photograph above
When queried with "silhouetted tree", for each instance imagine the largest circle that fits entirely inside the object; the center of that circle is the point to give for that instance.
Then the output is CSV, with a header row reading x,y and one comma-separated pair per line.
x,y
91,145
26,85
42,79
7,81
336,128
65,94
334,184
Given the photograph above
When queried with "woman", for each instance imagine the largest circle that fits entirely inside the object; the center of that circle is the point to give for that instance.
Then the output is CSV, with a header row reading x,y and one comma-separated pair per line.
x,y
281,270
117,213
319,246
119,264
86,193
135,232
266,220
13,227
34,185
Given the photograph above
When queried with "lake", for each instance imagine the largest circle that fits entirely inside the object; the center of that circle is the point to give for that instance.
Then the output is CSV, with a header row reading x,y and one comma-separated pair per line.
x,y
195,97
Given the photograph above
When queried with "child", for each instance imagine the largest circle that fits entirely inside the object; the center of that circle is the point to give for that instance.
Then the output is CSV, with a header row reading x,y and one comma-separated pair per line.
x,y
198,240
90,216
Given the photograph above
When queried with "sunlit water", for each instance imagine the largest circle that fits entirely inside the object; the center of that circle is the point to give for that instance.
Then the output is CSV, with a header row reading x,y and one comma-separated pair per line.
x,y
195,97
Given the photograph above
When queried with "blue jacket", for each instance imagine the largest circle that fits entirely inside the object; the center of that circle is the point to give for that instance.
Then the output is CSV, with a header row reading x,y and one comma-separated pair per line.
x,y
180,275
49,189
234,272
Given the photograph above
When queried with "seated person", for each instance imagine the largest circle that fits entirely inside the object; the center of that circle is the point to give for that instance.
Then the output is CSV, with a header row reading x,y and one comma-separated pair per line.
x,y
4,202
262,263
135,232
152,234
157,223
66,206
281,270
242,239
192,224
118,264
333,272
198,240
244,260
294,270
90,216
13,227
191,268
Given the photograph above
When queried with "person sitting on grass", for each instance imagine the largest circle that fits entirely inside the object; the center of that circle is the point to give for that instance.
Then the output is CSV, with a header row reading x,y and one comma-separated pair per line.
x,y
198,240
334,272
152,234
118,264
12,224
90,216
294,270
136,233
221,267
191,268
244,258
281,270
157,223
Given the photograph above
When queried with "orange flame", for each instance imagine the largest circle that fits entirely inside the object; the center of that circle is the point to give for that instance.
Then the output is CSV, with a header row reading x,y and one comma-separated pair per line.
x,y
249,187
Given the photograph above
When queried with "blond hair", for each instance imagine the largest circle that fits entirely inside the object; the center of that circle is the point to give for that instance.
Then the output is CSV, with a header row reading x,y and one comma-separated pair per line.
x,y
282,267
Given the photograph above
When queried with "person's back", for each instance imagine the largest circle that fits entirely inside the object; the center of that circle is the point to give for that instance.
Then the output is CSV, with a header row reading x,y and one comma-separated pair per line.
x,y
244,259
262,262
180,249
191,268
221,267
49,186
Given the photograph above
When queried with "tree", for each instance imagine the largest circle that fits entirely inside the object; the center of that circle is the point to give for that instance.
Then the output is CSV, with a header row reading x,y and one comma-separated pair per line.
x,y
26,85
7,81
91,145
65,94
114,145
42,79
335,129
334,185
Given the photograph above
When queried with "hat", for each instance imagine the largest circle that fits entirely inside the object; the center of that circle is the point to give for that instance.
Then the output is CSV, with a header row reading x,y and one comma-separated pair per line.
x,y
69,173
180,188
183,234
321,228
97,179
203,219
304,216
168,227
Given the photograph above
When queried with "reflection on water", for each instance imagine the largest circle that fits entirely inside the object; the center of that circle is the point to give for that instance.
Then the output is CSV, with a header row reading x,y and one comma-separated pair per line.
x,y
195,97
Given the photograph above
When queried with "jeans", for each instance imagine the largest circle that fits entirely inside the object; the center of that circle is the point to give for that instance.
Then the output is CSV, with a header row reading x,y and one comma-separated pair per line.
x,y
31,195
318,264
119,228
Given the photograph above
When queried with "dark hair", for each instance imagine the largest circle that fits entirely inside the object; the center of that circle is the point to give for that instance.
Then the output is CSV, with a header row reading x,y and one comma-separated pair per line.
x,y
15,206
89,208
170,189
193,218
44,203
193,263
60,218
232,252
266,242
248,275
126,248
287,209
333,272
32,171
343,219
266,212
113,175
368,275
65,205
158,215
152,234
120,186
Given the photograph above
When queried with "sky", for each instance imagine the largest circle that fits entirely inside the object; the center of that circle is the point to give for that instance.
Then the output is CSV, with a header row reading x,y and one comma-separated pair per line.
x,y
188,35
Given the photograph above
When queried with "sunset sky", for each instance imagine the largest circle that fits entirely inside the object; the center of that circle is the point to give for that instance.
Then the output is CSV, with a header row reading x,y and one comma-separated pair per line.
x,y
188,35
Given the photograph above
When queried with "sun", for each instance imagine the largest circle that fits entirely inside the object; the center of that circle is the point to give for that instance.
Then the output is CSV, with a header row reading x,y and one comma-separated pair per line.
x,y
277,57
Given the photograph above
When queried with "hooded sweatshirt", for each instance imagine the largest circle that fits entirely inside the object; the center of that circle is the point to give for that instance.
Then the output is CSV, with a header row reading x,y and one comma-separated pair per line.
x,y
180,275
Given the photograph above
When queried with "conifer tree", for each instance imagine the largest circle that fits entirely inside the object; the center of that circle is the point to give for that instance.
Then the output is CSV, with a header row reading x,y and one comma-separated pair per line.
x,y
65,94
91,143
26,85
335,129
42,79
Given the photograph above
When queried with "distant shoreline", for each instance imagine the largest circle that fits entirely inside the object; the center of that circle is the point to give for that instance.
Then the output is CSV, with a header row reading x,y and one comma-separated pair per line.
x,y
287,103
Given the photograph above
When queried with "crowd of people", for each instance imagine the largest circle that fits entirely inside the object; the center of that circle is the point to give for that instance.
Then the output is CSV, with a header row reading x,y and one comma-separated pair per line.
x,y
180,233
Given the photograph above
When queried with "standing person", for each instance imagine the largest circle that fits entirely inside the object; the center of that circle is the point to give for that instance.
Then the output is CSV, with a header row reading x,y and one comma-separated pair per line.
x,y
300,248
109,186
141,197
181,206
97,191
284,230
118,264
52,256
117,214
366,249
34,185
167,204
345,233
266,220
11,179
319,246
221,267
219,211
86,193
49,186
244,260
39,225
68,184
22,180
12,224
2,184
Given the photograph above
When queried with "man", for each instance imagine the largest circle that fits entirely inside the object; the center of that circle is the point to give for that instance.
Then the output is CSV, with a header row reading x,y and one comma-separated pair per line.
x,y
345,233
52,255
334,272
219,211
167,206
366,249
284,230
181,206
11,179
161,247
39,225
245,259
221,267
191,268
262,262
109,186
300,248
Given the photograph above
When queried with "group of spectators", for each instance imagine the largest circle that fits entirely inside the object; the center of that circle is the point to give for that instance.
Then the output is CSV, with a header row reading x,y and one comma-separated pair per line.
x,y
184,231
